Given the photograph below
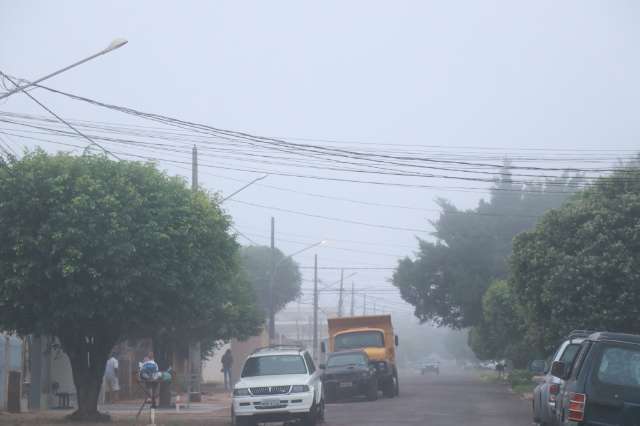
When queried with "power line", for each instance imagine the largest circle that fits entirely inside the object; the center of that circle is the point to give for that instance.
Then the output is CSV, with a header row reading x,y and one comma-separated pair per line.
x,y
57,116
335,219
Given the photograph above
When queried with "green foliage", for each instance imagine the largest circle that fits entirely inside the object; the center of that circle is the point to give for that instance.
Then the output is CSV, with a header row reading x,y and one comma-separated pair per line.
x,y
501,330
258,263
448,278
579,268
93,251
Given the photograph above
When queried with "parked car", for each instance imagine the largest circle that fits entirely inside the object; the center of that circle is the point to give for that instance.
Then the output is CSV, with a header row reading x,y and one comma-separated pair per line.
x,y
431,367
278,383
349,373
544,395
602,386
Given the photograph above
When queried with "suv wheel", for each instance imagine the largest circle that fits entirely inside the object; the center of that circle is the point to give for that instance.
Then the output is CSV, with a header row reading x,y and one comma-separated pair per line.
x,y
321,412
311,418
242,420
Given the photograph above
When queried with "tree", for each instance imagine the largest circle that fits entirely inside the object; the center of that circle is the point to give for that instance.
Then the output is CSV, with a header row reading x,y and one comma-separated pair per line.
x,y
500,334
94,251
579,267
258,263
448,278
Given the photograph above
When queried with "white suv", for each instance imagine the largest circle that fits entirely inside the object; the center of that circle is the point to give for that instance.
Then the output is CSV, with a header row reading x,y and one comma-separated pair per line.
x,y
278,383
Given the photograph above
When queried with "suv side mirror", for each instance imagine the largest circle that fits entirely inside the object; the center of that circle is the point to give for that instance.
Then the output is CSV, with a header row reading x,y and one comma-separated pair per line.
x,y
559,369
323,347
322,366
538,366
397,340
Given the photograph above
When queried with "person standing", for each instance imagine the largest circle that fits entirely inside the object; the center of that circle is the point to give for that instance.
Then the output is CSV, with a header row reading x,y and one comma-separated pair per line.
x,y
227,364
112,386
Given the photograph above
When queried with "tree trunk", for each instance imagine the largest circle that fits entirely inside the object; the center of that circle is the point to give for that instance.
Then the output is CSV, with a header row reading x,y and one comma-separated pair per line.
x,y
163,352
88,360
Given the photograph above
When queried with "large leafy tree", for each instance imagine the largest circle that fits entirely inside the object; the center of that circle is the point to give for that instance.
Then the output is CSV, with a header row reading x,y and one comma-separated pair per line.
x,y
500,334
94,251
448,278
265,267
579,268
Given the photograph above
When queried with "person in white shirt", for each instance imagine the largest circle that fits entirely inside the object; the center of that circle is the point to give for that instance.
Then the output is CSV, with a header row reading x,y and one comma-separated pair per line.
x,y
112,386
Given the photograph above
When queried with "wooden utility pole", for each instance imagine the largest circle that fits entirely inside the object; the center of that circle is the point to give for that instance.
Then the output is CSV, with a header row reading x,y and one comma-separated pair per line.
x,y
353,298
272,313
315,306
340,300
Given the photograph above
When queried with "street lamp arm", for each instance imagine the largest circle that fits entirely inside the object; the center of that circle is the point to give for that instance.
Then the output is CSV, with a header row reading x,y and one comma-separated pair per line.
x,y
115,44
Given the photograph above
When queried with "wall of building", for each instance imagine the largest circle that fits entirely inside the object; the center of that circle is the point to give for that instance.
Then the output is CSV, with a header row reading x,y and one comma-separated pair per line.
x,y
211,367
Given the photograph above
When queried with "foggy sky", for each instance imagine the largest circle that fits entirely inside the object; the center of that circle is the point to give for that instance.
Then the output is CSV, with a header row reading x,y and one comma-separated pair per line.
x,y
504,75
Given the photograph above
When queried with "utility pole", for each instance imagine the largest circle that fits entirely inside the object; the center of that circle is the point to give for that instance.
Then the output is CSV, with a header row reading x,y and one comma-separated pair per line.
x,y
194,169
194,360
315,306
272,314
341,290
353,297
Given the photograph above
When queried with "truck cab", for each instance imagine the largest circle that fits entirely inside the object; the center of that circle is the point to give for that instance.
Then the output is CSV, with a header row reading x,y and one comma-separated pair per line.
x,y
373,334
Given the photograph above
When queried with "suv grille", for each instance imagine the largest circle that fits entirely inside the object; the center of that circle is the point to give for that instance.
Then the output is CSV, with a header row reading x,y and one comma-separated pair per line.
x,y
270,390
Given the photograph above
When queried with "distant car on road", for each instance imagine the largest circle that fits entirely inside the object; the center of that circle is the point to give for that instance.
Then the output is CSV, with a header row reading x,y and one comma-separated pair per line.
x,y
544,395
349,373
431,367
602,385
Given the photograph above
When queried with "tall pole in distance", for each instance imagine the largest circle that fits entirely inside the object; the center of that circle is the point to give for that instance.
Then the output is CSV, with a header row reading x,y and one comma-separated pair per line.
x,y
364,305
272,314
353,298
315,306
340,300
194,168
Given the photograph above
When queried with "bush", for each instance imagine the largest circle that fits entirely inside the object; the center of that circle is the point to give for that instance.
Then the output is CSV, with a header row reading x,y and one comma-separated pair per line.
x,y
520,377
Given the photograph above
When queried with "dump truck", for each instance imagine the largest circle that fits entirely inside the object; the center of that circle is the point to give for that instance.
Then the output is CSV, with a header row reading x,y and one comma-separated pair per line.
x,y
374,334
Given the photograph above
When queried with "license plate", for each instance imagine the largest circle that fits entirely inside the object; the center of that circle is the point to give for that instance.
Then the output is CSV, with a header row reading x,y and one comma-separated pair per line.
x,y
271,403
346,384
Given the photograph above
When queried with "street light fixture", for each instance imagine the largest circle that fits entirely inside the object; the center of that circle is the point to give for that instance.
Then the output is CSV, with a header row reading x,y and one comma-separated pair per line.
x,y
272,314
115,44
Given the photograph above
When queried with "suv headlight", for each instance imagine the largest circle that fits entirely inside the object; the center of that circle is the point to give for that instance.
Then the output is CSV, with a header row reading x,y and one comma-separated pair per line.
x,y
241,392
299,388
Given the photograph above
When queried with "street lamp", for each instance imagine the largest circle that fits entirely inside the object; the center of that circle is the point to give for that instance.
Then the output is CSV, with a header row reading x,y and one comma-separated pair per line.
x,y
115,44
272,314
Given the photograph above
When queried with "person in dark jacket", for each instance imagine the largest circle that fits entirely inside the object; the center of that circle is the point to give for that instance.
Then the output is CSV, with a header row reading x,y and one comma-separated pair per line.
x,y
227,363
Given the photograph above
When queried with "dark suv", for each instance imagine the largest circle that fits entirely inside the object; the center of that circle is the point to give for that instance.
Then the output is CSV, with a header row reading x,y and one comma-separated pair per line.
x,y
602,386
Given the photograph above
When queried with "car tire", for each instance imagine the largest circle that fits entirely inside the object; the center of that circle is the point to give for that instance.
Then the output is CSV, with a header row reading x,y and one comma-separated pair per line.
x,y
372,391
321,411
242,420
389,388
311,418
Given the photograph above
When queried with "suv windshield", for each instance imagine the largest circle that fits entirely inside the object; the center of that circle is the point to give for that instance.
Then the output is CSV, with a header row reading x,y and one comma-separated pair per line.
x,y
346,359
360,339
271,365
620,366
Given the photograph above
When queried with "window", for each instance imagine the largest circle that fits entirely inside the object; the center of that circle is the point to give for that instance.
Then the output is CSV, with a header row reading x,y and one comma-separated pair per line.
x,y
274,365
620,366
570,353
346,360
359,339
310,364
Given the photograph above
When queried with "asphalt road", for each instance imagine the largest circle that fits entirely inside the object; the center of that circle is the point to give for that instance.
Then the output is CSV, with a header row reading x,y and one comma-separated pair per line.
x,y
451,399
